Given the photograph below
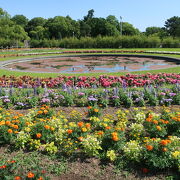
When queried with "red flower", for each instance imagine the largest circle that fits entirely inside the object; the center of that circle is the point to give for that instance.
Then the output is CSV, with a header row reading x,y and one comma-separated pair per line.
x,y
145,170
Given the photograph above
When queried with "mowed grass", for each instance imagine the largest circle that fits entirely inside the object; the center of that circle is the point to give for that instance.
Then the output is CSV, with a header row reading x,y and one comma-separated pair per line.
x,y
17,73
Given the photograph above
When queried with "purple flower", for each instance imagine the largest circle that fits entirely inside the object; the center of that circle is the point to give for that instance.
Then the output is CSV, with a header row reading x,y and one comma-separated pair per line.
x,y
172,94
91,98
167,100
20,104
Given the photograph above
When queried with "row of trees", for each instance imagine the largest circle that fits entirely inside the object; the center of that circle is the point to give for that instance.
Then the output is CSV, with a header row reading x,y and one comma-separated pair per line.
x,y
18,28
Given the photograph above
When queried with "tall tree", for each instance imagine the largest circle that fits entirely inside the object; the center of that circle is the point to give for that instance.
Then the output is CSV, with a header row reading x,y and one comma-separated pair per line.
x,y
90,15
172,26
20,20
129,29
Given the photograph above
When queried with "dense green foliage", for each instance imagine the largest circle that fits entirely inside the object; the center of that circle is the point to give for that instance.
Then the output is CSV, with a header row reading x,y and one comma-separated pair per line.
x,y
89,32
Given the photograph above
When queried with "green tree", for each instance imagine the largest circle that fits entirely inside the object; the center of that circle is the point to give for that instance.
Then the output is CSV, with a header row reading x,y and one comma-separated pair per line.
x,y
152,30
172,26
90,15
20,20
128,29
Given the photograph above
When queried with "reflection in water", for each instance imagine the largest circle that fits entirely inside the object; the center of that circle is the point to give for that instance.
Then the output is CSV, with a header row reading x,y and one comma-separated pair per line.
x,y
92,64
90,67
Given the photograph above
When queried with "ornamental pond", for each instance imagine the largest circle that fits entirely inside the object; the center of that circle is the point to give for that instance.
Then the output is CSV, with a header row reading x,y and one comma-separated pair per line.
x,y
91,63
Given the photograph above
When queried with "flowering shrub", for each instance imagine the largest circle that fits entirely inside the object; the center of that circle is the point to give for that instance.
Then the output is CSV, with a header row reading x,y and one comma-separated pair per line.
x,y
148,139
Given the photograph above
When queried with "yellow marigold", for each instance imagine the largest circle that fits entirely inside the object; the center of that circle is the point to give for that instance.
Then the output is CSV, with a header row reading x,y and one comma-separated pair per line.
x,y
84,129
10,131
45,111
175,154
2,123
158,128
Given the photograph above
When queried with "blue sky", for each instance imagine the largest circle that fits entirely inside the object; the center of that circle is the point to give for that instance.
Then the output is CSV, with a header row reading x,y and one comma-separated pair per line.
x,y
140,13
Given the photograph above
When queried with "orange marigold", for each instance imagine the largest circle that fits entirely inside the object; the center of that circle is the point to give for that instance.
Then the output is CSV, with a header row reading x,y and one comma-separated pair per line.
x,y
47,127
155,121
88,125
96,110
40,178
69,131
164,149
100,133
10,131
15,126
115,138
80,124
163,142
38,135
149,147
7,123
148,119
89,107
40,112
80,138
17,178
30,175
108,127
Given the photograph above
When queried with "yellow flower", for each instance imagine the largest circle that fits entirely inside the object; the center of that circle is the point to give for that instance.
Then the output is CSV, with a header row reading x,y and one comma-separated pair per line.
x,y
27,129
111,155
175,154
84,129
2,122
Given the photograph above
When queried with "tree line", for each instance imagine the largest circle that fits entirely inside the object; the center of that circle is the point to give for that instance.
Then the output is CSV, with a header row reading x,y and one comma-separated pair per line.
x,y
88,32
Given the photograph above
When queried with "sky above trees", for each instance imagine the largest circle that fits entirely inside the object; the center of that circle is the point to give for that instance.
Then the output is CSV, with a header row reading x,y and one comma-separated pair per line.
x,y
140,13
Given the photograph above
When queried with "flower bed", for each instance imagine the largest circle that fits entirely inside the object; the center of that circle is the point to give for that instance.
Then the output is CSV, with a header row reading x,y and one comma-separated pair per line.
x,y
129,80
24,98
149,140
